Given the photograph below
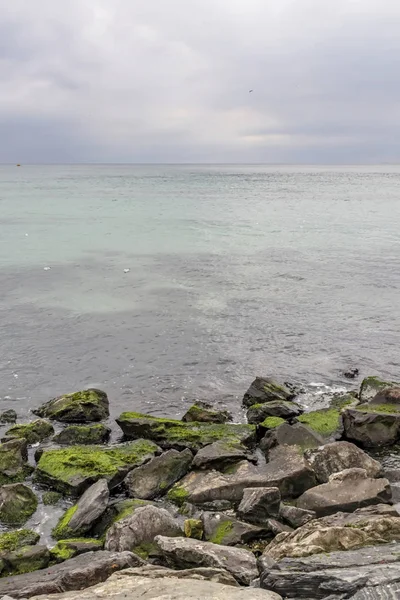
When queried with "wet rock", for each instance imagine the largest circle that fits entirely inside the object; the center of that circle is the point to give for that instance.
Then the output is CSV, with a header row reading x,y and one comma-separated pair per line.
x,y
137,532
17,503
389,396
13,462
116,511
258,504
51,498
345,491
34,432
202,412
341,531
80,407
27,559
172,434
65,549
200,573
81,517
185,553
157,476
193,528
287,470
290,435
74,574
72,470
279,408
327,423
338,456
296,517
219,455
8,416
219,528
266,390
372,426
370,387
351,373
83,434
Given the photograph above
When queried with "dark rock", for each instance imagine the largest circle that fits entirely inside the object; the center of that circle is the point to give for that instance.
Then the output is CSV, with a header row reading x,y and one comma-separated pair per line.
x,y
81,407
390,396
279,408
351,373
202,412
8,416
258,504
370,386
296,517
338,456
17,503
219,455
266,390
13,462
34,432
157,476
27,559
169,433
185,553
65,549
74,574
346,491
81,517
290,435
219,528
138,531
83,434
370,427
199,573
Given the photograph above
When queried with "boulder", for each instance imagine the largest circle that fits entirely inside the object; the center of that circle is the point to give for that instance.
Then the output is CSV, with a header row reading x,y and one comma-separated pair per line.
x,y
13,462
287,470
116,511
157,476
327,422
74,574
83,434
372,426
219,455
159,572
258,504
65,549
388,396
8,416
266,390
351,373
137,533
283,434
26,560
202,412
338,456
193,528
371,386
72,470
296,517
185,553
80,407
279,408
17,503
345,491
169,433
34,432
166,588
341,531
219,528
81,517
13,540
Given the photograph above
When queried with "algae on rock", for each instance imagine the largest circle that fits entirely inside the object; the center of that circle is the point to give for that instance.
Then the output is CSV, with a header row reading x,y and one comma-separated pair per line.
x,y
83,435
17,503
13,461
34,432
80,407
65,549
327,422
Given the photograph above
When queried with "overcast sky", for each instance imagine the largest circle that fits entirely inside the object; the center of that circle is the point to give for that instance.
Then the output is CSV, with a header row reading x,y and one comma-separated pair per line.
x,y
169,81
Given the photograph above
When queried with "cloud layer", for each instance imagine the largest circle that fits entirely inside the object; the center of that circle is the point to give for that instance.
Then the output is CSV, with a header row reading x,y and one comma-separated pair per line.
x,y
156,81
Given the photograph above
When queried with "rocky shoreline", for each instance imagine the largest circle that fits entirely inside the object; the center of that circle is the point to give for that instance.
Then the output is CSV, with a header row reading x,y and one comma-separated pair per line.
x,y
291,504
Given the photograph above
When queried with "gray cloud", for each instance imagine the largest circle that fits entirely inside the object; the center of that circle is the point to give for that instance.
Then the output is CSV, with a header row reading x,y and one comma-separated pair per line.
x,y
155,81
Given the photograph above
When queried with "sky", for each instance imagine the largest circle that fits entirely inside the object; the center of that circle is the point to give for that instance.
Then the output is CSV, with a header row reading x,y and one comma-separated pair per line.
x,y
169,81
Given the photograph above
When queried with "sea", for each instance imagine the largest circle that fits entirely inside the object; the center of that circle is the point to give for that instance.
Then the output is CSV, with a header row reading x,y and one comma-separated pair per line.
x,y
162,284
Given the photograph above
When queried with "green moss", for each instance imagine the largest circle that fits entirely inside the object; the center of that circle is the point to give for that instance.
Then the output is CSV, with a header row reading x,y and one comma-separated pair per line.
x,y
18,505
178,495
145,550
65,549
32,432
325,421
83,434
62,530
128,507
51,498
11,541
221,532
193,528
342,401
272,422
379,408
27,559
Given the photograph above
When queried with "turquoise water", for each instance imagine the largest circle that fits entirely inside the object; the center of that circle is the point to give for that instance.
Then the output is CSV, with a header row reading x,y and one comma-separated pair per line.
x,y
233,271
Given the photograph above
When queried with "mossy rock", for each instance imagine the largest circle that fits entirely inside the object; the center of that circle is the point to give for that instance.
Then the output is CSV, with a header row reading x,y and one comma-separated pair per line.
x,y
146,550
266,390
372,386
17,504
65,549
340,401
61,530
8,416
27,559
280,408
34,432
13,540
169,433
327,422
390,409
72,470
116,512
80,407
272,422
83,435
13,462
178,495
372,426
193,528
202,412
51,498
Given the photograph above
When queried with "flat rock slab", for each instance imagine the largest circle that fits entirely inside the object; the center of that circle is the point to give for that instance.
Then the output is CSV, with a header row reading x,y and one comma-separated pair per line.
x,y
74,574
219,455
338,456
163,589
201,573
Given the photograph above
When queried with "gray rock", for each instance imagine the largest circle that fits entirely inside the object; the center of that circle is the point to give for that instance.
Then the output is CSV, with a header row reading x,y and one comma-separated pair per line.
x,y
296,517
33,432
185,553
83,434
202,412
390,395
140,529
219,528
346,491
258,504
13,461
291,435
388,591
371,429
80,407
91,506
338,456
279,408
266,390
157,476
27,559
17,503
74,574
371,386
200,573
219,455
395,490
8,416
